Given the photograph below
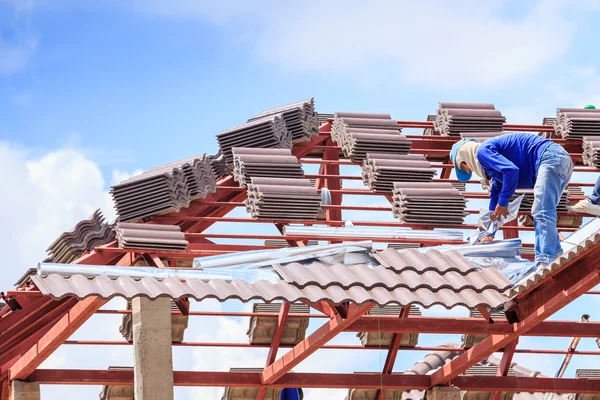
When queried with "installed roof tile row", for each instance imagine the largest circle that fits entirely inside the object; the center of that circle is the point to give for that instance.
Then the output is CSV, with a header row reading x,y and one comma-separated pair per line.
x,y
429,279
86,235
274,163
454,118
381,170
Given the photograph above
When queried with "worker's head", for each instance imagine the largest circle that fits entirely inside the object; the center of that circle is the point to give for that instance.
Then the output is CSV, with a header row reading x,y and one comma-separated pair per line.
x,y
464,158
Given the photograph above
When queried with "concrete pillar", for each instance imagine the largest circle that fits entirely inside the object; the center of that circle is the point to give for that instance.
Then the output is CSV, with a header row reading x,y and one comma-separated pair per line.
x,y
443,393
20,390
152,352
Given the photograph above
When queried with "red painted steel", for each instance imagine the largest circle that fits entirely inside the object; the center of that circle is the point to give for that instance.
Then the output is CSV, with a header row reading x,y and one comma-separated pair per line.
x,y
505,363
390,359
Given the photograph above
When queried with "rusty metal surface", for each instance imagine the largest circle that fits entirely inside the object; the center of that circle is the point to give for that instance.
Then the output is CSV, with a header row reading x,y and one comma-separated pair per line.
x,y
150,236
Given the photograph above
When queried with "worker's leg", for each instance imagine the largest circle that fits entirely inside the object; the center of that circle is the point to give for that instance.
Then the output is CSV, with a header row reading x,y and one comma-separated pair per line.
x,y
554,174
591,205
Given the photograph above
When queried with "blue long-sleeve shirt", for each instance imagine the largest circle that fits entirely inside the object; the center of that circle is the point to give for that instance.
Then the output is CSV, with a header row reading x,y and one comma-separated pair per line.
x,y
511,161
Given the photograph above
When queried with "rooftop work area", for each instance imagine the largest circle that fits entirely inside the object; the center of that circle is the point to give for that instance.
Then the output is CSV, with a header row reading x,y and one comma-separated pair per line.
x,y
319,228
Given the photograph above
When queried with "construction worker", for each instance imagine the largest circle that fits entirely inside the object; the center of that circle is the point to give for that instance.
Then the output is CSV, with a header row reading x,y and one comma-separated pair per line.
x,y
520,161
591,205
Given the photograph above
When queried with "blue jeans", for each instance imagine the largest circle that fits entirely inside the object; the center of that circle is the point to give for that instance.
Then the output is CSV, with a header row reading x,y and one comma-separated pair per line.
x,y
553,175
595,196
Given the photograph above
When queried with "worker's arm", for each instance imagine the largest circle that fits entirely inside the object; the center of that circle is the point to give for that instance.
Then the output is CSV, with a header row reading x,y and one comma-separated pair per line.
x,y
494,194
501,170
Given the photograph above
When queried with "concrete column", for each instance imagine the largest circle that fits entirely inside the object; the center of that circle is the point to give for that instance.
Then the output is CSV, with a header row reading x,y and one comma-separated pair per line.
x,y
443,393
20,390
152,352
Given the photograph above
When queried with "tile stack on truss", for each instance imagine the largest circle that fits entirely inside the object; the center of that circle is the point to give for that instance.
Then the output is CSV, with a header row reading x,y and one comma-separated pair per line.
x,y
381,170
150,236
270,198
252,163
268,132
362,133
384,339
86,235
591,151
261,330
454,118
285,243
164,189
428,203
429,131
527,202
300,119
549,121
576,123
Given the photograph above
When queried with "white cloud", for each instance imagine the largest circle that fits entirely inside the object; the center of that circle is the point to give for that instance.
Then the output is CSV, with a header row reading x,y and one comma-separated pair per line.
x,y
579,86
119,176
43,197
15,56
431,43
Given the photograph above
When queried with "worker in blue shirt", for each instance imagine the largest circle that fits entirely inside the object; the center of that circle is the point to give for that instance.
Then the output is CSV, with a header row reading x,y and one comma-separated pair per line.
x,y
520,161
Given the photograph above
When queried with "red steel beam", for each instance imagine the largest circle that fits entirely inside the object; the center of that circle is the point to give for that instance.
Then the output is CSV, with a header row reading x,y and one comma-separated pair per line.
x,y
571,290
505,362
312,343
318,380
471,325
275,343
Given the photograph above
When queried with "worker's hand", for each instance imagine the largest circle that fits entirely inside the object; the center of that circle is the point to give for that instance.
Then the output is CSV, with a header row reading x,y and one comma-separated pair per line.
x,y
487,239
500,211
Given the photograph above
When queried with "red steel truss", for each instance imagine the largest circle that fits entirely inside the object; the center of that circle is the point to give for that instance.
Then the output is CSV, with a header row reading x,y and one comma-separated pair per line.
x,y
38,325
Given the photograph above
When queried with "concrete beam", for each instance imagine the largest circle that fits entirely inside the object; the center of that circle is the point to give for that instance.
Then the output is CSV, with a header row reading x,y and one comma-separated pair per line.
x,y
20,390
152,351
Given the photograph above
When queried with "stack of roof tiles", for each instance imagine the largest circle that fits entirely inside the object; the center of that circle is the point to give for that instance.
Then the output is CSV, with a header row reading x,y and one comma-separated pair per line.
x,y
381,170
284,243
323,117
384,339
219,165
454,118
575,123
249,393
429,131
283,198
591,151
527,202
118,392
300,118
470,340
549,121
179,324
86,235
250,163
150,236
261,330
269,132
480,136
362,133
421,203
165,188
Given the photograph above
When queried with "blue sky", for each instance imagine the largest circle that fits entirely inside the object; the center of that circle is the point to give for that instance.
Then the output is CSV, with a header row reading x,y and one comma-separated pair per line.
x,y
91,93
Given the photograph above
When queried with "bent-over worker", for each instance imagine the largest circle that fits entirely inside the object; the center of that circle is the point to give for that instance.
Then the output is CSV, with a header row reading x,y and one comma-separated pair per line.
x,y
520,161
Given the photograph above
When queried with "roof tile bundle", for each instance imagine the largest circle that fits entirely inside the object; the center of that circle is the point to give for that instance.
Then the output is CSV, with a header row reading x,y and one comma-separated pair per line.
x,y
282,198
362,133
250,162
470,340
322,118
430,131
262,329
284,243
150,236
384,339
86,235
454,118
575,123
300,118
422,203
165,188
118,392
249,393
591,151
549,121
527,202
179,324
268,132
381,170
